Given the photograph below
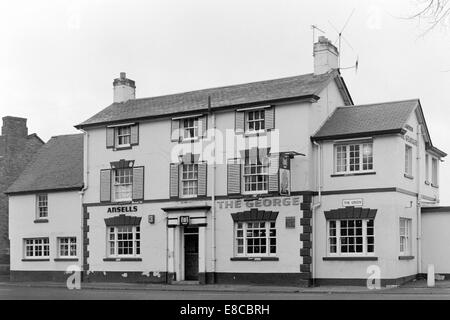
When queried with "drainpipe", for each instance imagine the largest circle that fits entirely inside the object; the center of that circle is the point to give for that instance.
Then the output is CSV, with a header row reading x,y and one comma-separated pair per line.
x,y
83,190
419,203
316,206
213,195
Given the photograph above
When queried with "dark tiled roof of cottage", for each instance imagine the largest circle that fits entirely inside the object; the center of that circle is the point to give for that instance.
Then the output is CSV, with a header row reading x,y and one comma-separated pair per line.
x,y
57,166
378,118
230,96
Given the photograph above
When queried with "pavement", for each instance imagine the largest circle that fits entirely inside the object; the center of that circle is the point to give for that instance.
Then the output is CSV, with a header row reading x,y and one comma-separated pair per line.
x,y
413,287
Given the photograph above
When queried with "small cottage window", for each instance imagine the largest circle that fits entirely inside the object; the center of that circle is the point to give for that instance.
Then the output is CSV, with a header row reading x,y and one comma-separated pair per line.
x,y
123,136
124,241
42,206
351,237
255,238
353,158
123,184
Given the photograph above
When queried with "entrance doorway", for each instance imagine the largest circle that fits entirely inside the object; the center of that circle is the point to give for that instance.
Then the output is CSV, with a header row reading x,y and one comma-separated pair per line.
x,y
191,253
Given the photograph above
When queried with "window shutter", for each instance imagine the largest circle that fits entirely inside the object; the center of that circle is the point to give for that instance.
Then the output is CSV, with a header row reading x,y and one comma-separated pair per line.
x,y
269,118
234,177
202,179
202,126
239,122
110,135
135,134
274,165
105,185
138,183
174,179
175,130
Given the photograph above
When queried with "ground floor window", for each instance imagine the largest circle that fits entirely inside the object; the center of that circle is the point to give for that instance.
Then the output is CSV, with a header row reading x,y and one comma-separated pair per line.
x,y
67,247
255,238
124,241
405,240
37,248
351,237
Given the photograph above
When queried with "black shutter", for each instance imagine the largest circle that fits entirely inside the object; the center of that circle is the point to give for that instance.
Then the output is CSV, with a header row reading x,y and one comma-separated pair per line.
x,y
138,183
269,118
274,165
110,137
202,179
174,180
175,131
234,177
239,122
105,185
135,134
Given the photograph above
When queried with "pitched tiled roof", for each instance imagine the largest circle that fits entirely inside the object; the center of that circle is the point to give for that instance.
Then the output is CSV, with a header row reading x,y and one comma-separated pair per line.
x,y
231,96
346,122
57,166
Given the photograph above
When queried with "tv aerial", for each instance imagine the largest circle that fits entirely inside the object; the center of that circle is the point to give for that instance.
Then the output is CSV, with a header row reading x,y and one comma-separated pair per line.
x,y
340,38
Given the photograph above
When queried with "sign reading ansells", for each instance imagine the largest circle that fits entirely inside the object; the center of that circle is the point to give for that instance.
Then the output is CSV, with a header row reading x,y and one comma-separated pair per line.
x,y
122,209
260,203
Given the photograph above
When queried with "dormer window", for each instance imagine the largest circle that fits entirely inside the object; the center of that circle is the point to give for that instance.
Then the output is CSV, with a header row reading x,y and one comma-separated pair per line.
x,y
123,136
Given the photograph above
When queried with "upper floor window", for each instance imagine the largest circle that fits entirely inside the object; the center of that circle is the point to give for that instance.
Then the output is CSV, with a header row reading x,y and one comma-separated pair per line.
x,y
123,136
408,160
434,173
354,157
189,180
37,248
427,169
123,184
255,120
42,206
256,173
351,237
189,128
405,236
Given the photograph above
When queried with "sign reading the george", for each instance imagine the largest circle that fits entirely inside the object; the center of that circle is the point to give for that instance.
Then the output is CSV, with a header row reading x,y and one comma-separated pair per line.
x,y
352,203
184,220
261,203
122,209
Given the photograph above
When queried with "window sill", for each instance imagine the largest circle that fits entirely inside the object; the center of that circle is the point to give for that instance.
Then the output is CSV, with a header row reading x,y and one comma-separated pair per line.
x,y
408,176
122,259
65,259
189,140
35,260
406,258
123,147
254,259
350,258
435,186
41,221
254,133
353,174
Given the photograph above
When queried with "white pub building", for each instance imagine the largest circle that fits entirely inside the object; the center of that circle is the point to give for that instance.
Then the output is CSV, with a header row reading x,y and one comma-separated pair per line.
x,y
282,182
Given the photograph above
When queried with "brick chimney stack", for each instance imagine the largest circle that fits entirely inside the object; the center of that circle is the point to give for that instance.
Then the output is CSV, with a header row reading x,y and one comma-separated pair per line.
x,y
14,127
124,89
326,56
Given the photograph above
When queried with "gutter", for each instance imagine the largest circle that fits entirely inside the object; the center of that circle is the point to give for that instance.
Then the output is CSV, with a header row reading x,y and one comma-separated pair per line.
x,y
83,190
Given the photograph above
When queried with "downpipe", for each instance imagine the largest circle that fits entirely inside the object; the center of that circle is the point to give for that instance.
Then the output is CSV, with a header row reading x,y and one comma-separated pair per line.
x,y
314,208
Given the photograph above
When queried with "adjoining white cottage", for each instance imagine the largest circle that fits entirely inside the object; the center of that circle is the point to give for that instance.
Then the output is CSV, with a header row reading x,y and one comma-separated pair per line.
x,y
276,182
45,212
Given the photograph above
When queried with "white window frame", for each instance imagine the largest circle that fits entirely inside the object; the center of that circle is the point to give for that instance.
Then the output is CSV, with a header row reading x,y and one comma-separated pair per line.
x,y
37,245
190,179
42,204
255,168
186,130
408,160
241,238
70,243
405,236
345,149
127,182
434,172
121,136
112,241
258,120
338,238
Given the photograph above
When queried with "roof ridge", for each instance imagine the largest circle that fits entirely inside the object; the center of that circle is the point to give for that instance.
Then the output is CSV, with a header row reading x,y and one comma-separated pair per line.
x,y
66,135
227,86
380,103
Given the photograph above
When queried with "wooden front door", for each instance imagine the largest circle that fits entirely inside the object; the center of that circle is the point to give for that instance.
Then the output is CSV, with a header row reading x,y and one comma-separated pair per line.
x,y
191,253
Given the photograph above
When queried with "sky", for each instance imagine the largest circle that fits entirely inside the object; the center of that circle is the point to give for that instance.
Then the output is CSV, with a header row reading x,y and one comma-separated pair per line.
x,y
58,58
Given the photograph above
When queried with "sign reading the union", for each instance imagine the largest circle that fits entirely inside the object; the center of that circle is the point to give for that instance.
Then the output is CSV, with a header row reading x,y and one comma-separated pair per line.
x,y
122,209
261,203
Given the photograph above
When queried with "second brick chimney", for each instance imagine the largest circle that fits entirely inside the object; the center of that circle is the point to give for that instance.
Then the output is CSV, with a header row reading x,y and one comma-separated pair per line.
x,y
14,126
124,88
326,56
